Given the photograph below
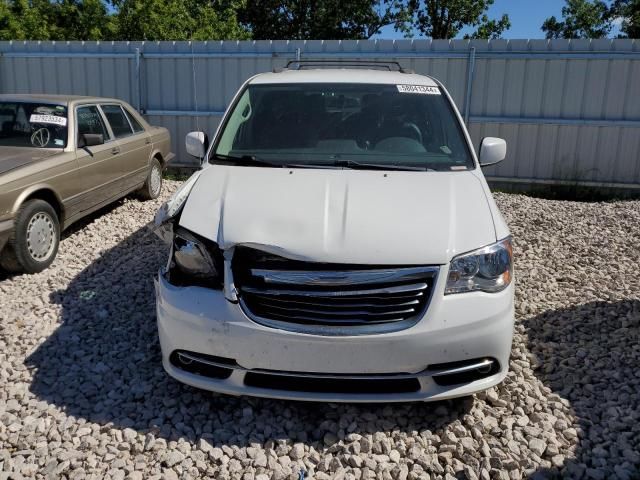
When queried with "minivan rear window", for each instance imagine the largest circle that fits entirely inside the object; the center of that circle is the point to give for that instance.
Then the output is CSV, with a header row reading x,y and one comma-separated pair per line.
x,y
322,124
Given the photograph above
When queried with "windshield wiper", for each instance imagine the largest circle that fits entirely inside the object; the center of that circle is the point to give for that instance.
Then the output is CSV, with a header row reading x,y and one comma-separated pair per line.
x,y
246,160
378,166
253,161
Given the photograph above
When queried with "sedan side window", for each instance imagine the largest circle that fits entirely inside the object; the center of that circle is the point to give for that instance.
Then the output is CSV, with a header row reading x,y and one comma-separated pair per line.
x,y
134,123
116,118
90,122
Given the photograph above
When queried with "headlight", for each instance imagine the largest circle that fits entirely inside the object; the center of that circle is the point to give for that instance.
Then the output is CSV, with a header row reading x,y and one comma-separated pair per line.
x,y
488,269
195,261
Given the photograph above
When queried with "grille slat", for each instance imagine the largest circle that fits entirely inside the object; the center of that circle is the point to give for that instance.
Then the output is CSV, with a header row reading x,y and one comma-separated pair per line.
x,y
307,320
336,305
284,293
417,287
337,313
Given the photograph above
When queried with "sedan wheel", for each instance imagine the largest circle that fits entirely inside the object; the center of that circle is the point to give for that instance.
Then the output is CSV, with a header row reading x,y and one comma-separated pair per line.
x,y
34,242
41,233
155,180
153,185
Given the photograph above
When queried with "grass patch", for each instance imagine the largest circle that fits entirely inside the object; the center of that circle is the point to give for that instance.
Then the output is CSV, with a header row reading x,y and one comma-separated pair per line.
x,y
177,174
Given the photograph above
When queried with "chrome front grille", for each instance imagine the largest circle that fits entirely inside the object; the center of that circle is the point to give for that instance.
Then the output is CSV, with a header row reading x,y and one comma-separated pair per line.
x,y
307,296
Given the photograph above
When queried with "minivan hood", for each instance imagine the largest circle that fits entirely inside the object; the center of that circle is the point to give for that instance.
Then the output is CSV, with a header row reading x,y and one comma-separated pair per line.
x,y
14,157
342,216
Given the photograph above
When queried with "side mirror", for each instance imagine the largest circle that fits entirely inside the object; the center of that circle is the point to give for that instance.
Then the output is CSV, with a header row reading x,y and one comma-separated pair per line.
x,y
90,139
196,143
492,150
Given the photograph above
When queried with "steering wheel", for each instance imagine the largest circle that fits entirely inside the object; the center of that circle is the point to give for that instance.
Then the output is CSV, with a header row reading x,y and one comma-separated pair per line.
x,y
40,138
415,128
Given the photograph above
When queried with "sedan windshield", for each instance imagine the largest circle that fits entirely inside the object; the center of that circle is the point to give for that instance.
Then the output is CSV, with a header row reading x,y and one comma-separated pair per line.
x,y
38,125
345,126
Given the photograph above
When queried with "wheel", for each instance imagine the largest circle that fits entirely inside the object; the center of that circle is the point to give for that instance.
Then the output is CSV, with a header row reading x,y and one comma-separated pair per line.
x,y
153,185
34,242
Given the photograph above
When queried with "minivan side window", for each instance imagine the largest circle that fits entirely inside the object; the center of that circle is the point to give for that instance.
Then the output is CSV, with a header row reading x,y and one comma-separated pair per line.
x,y
90,121
134,123
116,118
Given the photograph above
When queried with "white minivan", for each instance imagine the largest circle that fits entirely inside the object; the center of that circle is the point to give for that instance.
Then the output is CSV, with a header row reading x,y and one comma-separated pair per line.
x,y
340,243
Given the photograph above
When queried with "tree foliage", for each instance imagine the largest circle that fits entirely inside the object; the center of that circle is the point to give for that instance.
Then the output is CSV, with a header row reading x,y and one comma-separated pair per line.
x,y
595,19
581,19
446,18
627,12
177,20
120,20
318,19
24,19
242,19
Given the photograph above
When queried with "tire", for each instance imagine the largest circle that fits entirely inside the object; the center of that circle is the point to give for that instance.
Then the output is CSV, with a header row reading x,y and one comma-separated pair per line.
x,y
153,185
33,245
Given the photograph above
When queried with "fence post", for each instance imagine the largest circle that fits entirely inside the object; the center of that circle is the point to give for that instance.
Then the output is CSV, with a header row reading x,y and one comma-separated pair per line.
x,y
137,78
471,65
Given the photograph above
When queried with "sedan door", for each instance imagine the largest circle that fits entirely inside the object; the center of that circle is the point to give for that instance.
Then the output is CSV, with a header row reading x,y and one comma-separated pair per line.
x,y
97,171
134,142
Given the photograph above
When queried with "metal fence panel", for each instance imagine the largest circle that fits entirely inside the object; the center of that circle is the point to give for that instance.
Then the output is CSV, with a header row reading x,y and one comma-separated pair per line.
x,y
569,109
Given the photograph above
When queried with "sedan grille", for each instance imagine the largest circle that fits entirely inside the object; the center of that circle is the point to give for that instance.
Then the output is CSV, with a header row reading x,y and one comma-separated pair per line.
x,y
307,296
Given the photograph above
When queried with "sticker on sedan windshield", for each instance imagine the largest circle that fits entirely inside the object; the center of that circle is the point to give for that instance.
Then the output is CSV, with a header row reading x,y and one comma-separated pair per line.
x,y
422,89
53,119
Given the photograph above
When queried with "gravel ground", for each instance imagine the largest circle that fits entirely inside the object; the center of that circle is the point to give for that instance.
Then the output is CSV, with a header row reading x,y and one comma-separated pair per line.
x,y
83,393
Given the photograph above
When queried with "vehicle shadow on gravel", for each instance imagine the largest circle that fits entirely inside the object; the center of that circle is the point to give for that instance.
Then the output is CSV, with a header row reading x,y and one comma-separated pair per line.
x,y
583,354
76,227
103,364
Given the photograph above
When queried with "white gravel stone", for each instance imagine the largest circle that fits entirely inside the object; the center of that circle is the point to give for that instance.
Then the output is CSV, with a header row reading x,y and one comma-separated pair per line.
x,y
83,394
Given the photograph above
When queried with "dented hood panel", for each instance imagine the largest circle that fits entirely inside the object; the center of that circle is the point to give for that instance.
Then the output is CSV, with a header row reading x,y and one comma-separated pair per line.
x,y
342,216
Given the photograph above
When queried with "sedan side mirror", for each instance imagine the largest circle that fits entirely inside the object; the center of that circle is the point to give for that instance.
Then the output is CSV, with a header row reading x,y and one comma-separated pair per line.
x,y
90,139
492,150
196,143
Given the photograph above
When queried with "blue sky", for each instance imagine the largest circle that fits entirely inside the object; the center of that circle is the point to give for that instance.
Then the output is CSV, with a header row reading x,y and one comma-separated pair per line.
x,y
526,17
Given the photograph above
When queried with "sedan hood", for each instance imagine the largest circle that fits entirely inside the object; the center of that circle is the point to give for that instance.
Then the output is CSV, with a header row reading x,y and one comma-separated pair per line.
x,y
15,157
342,216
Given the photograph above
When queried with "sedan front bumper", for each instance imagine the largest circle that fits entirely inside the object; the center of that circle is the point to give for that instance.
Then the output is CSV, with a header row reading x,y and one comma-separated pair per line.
x,y
456,331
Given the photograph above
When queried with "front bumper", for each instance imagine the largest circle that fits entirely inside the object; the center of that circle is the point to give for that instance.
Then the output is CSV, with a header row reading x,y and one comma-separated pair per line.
x,y
454,328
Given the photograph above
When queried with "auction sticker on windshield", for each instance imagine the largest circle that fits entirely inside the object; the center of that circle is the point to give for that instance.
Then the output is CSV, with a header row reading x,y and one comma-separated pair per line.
x,y
422,89
53,119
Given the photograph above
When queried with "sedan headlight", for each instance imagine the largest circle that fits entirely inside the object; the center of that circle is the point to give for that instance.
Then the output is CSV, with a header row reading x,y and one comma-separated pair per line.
x,y
195,261
488,269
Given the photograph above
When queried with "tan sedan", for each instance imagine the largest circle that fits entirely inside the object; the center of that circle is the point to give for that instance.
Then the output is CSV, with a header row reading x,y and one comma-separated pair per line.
x,y
63,157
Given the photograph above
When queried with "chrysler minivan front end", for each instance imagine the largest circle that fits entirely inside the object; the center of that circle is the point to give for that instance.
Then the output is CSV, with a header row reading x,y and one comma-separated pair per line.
x,y
340,244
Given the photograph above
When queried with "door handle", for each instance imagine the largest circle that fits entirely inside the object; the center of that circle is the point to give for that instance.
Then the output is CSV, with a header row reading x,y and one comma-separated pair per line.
x,y
115,151
147,141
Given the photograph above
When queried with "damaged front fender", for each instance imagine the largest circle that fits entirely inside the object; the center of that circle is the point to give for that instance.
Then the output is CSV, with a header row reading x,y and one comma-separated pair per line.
x,y
172,208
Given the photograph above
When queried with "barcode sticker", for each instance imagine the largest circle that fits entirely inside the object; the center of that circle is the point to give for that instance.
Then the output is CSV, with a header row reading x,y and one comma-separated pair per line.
x,y
53,119
421,89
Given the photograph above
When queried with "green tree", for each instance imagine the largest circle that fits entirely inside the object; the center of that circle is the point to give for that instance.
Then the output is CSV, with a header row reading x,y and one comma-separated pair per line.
x,y
55,20
318,19
445,18
581,19
83,20
26,20
177,20
628,13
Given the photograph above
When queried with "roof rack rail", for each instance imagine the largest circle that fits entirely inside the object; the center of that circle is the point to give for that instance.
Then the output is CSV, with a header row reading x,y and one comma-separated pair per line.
x,y
390,65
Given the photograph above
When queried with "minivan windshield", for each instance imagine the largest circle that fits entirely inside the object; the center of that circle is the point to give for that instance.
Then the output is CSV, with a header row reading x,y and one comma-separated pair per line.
x,y
26,124
344,125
